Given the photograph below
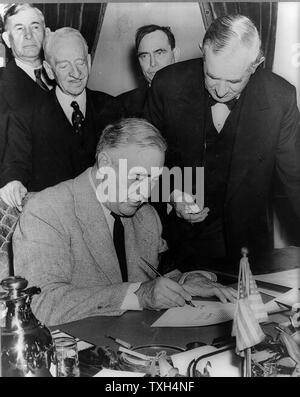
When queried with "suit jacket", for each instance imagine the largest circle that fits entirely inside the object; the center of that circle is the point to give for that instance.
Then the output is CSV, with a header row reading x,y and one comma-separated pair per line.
x,y
43,149
17,89
4,119
62,244
267,141
133,102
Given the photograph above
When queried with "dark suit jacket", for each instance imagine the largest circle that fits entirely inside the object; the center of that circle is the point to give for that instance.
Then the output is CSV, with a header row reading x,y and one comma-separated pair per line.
x,y
267,140
16,87
4,118
133,101
43,149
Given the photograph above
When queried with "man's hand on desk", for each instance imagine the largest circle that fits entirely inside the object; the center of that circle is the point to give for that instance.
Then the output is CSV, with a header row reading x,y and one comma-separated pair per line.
x,y
199,285
162,293
13,193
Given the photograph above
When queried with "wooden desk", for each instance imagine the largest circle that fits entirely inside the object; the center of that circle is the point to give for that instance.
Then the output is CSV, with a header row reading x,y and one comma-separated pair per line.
x,y
135,327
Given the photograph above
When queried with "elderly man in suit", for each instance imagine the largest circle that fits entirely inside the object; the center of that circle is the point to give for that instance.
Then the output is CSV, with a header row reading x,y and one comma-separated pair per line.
x,y
83,240
240,123
155,48
23,77
55,138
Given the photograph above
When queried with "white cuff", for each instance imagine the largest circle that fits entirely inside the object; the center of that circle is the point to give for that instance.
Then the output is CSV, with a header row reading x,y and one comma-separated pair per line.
x,y
131,301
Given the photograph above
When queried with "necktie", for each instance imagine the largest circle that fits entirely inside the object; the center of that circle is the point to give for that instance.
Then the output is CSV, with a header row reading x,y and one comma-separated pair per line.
x,y
77,118
230,104
119,242
38,79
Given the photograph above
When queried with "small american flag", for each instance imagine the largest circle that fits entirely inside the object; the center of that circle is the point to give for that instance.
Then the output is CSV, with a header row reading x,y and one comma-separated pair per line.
x,y
250,310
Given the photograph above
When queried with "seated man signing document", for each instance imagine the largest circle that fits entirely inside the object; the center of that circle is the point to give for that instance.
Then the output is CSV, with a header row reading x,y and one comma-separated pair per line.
x,y
83,240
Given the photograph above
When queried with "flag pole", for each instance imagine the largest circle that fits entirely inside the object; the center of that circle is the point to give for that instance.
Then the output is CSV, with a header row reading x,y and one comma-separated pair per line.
x,y
247,363
247,351
0,352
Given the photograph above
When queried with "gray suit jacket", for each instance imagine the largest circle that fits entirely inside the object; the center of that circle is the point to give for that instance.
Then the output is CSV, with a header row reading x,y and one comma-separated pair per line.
x,y
63,245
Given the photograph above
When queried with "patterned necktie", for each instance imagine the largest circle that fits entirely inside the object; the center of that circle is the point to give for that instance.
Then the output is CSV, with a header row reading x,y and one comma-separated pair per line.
x,y
77,118
230,104
119,242
38,78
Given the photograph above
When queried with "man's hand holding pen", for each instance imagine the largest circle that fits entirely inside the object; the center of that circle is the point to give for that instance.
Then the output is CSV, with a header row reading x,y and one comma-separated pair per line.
x,y
162,293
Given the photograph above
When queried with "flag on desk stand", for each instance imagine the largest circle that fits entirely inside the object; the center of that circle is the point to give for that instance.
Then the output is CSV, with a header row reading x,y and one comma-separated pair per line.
x,y
249,312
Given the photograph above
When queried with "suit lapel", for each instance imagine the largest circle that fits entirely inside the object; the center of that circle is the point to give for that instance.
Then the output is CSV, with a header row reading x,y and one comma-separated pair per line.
x,y
95,230
55,123
252,126
89,120
192,100
138,242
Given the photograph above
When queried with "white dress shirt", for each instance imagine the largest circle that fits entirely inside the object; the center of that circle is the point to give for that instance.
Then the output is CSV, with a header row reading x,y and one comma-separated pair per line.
x,y
219,113
65,101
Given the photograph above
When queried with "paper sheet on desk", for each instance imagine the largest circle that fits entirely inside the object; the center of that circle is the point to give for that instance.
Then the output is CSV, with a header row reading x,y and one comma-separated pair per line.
x,y
206,313
288,298
287,278
108,373
182,360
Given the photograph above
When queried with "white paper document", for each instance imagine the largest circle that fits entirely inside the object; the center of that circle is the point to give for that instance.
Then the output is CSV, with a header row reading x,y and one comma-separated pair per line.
x,y
287,278
288,298
109,373
181,361
205,313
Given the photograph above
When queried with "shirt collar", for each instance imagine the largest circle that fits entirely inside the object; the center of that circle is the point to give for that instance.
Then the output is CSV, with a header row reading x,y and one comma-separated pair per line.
x,y
28,69
65,102
65,99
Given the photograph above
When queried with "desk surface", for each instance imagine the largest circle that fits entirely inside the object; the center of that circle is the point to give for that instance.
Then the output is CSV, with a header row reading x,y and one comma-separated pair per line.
x,y
135,326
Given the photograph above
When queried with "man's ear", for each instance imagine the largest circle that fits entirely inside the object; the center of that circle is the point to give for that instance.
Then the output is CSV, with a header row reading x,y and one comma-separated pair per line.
x,y
104,160
89,60
5,37
49,70
201,51
256,65
176,52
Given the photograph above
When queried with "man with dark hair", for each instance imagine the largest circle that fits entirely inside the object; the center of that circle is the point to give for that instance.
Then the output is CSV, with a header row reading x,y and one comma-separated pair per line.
x,y
155,48
55,138
240,123
83,244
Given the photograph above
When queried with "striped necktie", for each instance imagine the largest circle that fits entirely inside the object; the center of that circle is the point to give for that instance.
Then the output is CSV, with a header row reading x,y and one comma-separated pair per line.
x,y
38,78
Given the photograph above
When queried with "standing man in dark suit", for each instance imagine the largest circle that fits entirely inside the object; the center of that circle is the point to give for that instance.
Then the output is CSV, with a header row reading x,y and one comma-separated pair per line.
x,y
55,138
242,124
155,48
23,77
